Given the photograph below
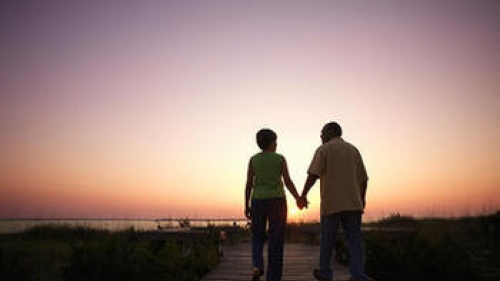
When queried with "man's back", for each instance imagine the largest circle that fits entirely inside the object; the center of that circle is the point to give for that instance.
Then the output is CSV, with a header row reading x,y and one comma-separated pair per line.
x,y
342,173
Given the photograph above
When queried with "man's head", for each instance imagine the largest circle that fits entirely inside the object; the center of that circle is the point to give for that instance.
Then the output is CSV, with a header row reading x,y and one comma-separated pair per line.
x,y
266,139
330,131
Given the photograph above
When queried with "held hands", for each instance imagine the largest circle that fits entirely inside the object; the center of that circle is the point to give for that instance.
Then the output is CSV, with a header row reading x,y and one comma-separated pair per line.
x,y
302,202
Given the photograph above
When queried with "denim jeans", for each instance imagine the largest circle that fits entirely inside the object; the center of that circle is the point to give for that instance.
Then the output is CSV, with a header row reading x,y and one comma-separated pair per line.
x,y
274,212
351,223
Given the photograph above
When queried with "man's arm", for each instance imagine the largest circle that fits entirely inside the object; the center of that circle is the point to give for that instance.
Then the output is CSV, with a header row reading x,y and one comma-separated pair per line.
x,y
318,165
310,181
364,186
248,190
362,177
301,203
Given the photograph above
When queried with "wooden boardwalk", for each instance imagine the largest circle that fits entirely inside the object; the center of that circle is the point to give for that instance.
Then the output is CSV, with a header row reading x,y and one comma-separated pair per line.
x,y
299,262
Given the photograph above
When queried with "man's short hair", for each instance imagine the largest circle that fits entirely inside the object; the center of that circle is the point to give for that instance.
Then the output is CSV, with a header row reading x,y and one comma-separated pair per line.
x,y
334,128
265,137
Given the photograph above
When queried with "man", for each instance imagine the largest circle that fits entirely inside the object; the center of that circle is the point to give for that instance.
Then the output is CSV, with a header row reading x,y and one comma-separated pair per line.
x,y
343,183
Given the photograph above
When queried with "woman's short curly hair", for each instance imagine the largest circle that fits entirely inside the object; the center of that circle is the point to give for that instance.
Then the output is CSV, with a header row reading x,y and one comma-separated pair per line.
x,y
265,137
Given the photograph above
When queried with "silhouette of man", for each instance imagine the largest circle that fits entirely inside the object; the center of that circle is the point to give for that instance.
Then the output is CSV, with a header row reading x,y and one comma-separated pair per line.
x,y
343,182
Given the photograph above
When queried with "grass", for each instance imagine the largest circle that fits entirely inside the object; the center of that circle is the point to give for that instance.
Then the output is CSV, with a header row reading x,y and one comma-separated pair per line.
x,y
414,256
75,253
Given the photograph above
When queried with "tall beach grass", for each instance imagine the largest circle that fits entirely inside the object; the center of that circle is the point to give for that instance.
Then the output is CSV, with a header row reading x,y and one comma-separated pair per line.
x,y
75,253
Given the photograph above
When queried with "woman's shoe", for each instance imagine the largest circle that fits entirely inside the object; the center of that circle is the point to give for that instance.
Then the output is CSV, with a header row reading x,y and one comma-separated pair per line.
x,y
319,276
257,273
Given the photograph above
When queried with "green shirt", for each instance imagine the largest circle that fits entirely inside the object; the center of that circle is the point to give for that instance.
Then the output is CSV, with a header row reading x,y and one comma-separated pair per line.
x,y
267,168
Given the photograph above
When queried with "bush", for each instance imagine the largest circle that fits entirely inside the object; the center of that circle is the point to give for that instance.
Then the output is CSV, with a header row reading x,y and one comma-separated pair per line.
x,y
396,220
77,254
410,256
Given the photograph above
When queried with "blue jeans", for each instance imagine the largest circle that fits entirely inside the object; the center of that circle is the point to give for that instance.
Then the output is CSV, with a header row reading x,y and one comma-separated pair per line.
x,y
351,223
274,212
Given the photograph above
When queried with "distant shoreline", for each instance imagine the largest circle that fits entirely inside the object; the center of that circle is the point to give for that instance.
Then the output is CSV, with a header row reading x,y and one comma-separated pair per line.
x,y
19,225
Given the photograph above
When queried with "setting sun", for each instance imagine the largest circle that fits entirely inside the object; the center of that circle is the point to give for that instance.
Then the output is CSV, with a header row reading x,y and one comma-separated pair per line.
x,y
294,214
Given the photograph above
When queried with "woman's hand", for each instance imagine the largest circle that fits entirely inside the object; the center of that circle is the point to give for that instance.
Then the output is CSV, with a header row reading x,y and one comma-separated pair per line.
x,y
248,212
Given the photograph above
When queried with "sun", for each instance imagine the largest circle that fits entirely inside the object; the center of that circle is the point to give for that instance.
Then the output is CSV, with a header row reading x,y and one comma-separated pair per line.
x,y
293,214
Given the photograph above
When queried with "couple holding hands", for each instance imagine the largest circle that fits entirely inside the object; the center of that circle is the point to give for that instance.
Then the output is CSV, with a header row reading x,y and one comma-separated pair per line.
x,y
343,183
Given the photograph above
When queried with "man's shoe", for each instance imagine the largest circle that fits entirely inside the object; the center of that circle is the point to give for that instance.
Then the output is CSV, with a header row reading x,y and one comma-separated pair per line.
x,y
319,276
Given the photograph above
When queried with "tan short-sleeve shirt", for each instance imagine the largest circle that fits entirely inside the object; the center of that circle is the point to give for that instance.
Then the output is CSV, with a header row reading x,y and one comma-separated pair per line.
x,y
342,173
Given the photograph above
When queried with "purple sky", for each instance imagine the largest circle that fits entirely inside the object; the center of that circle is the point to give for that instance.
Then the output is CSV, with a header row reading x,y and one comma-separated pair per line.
x,y
149,108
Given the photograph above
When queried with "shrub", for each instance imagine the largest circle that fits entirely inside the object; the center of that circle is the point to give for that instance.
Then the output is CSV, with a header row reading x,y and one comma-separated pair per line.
x,y
391,256
77,254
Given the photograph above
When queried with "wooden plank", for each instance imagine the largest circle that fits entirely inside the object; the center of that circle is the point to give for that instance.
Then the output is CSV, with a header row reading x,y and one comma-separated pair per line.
x,y
299,262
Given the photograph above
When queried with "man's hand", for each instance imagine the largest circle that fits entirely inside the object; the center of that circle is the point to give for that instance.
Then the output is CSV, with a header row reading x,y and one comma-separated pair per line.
x,y
248,213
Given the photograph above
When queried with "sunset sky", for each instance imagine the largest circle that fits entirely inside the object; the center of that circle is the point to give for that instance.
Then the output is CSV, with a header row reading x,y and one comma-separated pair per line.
x,y
148,109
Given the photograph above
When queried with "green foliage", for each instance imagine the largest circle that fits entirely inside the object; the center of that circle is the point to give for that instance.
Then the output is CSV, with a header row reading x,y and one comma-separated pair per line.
x,y
396,220
64,253
31,260
414,257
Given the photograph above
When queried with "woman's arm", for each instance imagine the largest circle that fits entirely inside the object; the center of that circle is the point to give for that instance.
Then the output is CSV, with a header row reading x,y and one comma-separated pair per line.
x,y
248,190
288,182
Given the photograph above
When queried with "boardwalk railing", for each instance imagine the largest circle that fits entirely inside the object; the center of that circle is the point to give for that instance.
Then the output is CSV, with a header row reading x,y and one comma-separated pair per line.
x,y
204,222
